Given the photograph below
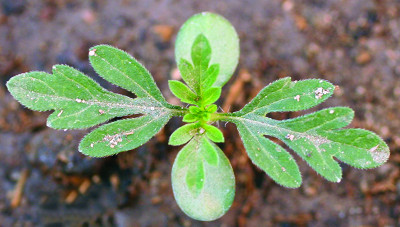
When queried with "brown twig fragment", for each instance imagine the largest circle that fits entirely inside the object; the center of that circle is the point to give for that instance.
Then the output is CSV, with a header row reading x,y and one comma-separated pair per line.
x,y
19,188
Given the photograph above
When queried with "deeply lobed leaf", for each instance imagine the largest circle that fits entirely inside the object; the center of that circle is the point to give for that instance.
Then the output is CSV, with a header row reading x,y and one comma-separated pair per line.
x,y
270,157
122,135
317,138
357,147
78,101
284,95
121,69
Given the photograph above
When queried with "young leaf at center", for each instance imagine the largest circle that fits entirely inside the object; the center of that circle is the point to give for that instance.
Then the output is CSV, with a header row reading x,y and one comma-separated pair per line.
x,y
223,40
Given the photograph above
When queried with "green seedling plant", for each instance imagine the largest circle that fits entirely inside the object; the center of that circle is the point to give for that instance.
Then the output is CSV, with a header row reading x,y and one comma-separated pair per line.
x,y
207,52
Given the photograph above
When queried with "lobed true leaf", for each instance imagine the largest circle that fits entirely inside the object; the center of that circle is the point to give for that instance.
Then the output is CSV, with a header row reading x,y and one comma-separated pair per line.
x,y
317,138
121,69
286,95
122,135
79,102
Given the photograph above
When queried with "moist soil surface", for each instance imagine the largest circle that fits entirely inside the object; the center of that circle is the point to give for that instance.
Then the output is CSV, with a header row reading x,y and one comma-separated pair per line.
x,y
45,181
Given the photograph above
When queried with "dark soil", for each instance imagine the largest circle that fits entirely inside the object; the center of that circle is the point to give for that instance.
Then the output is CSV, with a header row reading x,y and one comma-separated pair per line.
x,y
45,181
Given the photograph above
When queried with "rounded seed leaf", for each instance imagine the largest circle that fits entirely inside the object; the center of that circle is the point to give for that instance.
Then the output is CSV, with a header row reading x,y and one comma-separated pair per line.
x,y
223,40
202,180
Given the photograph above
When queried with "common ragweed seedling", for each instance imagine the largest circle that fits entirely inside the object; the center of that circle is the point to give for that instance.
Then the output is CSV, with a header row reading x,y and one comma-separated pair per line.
x,y
207,51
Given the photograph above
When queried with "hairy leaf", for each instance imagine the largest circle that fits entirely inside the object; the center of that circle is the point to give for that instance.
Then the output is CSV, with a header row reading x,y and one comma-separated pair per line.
x,y
182,92
121,69
211,95
202,180
222,37
201,53
198,79
190,118
285,95
183,134
78,101
210,76
122,135
188,73
213,133
317,138
270,157
212,108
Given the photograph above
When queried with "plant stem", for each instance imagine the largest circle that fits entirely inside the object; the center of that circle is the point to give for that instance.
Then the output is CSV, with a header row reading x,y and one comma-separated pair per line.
x,y
220,117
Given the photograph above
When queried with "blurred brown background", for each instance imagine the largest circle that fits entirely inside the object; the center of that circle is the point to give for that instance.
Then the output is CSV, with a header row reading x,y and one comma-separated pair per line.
x,y
45,181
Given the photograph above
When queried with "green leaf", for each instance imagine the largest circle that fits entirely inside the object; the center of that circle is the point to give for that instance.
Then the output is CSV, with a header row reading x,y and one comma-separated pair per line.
x,y
121,69
210,76
212,108
195,177
317,138
270,157
183,134
284,95
200,78
194,109
188,73
357,147
182,92
223,40
202,180
79,102
205,116
201,53
214,134
188,118
211,95
210,152
122,135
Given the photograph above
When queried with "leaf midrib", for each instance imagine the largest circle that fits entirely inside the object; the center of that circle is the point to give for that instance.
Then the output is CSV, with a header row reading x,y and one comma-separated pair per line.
x,y
286,130
89,102
269,104
260,99
128,77
78,83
